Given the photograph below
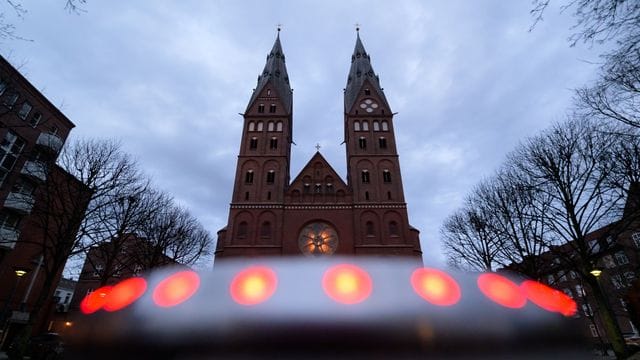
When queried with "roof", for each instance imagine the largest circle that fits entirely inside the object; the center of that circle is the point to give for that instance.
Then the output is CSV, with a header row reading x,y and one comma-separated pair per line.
x,y
275,72
361,71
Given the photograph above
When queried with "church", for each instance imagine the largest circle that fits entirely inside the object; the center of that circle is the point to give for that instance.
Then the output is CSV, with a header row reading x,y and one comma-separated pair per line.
x,y
318,213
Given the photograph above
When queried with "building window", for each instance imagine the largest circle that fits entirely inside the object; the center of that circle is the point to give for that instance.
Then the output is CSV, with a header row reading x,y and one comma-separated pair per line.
x,y
3,86
386,176
35,119
376,126
317,189
568,292
388,195
260,125
382,142
25,110
586,309
366,195
370,229
272,108
629,276
356,125
248,177
270,126
253,143
268,92
365,176
562,276
550,280
261,108
242,229
252,126
10,148
330,188
367,91
10,100
271,177
279,126
580,290
306,188
393,228
265,230
594,331
573,274
636,239
594,245
362,143
9,221
246,195
385,126
269,195
365,126
621,258
608,262
273,143
53,130
98,269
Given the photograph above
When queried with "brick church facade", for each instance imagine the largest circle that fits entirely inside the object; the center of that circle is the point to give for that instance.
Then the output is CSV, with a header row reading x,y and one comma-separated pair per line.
x,y
317,213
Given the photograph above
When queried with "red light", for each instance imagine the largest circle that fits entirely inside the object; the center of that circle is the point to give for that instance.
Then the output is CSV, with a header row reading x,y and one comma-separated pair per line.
x,y
125,293
176,288
253,285
502,291
347,284
435,286
549,299
94,301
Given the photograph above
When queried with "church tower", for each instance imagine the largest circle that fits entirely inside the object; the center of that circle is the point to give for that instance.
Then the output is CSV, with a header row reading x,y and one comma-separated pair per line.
x,y
317,213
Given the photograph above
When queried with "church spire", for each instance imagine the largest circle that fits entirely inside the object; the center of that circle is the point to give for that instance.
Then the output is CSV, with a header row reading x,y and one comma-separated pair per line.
x,y
275,72
361,71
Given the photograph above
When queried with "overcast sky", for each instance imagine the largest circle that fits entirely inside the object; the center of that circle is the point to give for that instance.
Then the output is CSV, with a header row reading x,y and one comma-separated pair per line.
x,y
168,78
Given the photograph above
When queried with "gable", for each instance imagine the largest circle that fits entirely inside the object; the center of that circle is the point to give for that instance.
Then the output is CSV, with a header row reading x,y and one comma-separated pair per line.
x,y
371,93
317,172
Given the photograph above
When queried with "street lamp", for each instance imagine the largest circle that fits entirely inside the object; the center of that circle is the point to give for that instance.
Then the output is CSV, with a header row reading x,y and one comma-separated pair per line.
x,y
595,272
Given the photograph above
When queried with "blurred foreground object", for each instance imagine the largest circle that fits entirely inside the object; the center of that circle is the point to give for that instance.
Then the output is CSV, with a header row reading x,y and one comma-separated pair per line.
x,y
342,308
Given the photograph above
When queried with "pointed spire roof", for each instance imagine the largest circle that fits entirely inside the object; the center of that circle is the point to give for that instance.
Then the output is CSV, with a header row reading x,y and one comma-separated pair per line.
x,y
275,71
361,71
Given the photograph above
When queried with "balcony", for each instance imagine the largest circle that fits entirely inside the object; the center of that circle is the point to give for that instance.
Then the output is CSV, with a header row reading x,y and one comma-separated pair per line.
x,y
22,203
35,169
50,141
8,237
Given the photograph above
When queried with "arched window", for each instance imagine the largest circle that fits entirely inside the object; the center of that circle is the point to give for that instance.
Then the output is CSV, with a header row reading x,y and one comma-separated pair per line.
x,y
365,176
271,177
272,108
386,176
273,143
270,126
356,126
376,126
241,231
248,177
268,92
382,142
388,195
260,125
370,229
252,126
279,126
253,143
265,230
393,228
362,143
366,195
261,108
385,126
365,126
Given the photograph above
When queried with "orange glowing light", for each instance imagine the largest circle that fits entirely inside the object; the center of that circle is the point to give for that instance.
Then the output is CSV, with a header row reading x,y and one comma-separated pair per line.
x,y
125,293
176,289
502,291
95,300
347,284
435,286
253,285
549,299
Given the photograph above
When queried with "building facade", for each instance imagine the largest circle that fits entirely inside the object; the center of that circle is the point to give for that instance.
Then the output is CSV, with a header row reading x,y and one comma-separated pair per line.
x,y
318,213
33,132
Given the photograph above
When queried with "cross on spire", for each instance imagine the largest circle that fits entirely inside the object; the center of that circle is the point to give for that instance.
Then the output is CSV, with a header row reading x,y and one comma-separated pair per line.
x,y
318,147
279,26
357,25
